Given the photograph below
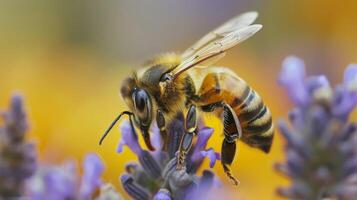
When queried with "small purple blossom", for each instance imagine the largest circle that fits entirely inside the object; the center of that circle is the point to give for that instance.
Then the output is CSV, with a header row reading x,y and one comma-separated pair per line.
x,y
212,156
129,138
163,194
93,169
64,182
203,136
56,182
292,76
156,176
346,93
321,144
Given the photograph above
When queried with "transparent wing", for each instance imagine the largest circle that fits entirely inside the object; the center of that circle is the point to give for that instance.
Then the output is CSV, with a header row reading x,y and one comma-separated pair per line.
x,y
216,48
235,23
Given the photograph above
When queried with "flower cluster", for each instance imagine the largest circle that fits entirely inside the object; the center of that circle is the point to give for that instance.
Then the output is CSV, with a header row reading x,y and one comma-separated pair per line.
x,y
17,156
22,176
156,176
321,153
64,182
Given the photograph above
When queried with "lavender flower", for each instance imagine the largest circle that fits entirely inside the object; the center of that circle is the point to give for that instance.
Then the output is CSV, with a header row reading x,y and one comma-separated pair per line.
x,y
321,153
17,156
93,169
20,176
156,177
64,182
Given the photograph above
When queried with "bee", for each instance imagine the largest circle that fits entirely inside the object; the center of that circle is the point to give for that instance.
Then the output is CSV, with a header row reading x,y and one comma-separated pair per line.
x,y
175,83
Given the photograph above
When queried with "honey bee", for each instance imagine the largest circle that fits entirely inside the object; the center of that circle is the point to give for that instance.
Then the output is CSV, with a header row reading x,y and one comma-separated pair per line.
x,y
175,83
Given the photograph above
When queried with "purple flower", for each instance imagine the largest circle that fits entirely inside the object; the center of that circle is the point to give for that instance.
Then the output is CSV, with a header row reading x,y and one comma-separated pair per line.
x,y
301,89
93,169
321,144
163,194
64,182
346,93
350,77
133,189
196,157
292,76
53,182
203,136
212,156
17,156
129,138
157,176
20,177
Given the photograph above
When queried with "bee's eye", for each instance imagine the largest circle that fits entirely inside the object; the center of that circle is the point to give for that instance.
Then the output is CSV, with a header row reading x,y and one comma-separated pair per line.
x,y
142,105
140,100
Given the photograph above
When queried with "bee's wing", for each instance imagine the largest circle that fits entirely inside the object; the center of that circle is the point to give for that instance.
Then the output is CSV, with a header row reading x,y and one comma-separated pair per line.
x,y
216,48
235,23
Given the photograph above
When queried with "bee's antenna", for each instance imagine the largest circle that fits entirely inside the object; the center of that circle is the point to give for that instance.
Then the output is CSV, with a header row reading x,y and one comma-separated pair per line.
x,y
112,124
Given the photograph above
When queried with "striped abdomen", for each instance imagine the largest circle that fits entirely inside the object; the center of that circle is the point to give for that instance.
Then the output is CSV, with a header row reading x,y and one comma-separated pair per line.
x,y
255,118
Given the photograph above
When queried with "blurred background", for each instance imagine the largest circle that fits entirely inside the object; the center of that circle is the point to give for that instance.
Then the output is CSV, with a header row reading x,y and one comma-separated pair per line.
x,y
68,59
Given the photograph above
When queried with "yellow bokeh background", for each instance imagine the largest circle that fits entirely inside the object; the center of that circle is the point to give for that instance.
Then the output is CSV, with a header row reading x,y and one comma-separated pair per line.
x,y
68,60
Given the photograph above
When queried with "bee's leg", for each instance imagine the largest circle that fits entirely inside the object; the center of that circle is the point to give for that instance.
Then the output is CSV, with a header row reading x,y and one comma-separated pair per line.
x,y
161,124
186,141
227,156
232,132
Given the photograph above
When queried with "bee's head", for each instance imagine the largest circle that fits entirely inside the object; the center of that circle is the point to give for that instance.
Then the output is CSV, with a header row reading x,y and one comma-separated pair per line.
x,y
141,109
140,104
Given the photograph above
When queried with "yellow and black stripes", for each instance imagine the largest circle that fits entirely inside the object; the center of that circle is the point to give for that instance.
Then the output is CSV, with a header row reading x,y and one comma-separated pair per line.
x,y
255,118
256,122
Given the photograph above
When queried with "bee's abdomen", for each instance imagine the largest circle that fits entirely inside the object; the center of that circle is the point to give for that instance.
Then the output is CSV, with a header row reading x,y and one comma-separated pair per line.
x,y
255,118
256,122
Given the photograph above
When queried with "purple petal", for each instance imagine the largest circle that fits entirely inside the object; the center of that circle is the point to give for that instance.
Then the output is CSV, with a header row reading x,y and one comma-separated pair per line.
x,y
350,76
16,121
59,184
120,146
212,156
175,130
344,102
206,181
163,194
93,169
297,118
150,165
292,77
133,189
346,94
319,88
315,82
202,139
17,106
217,183
129,138
52,183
